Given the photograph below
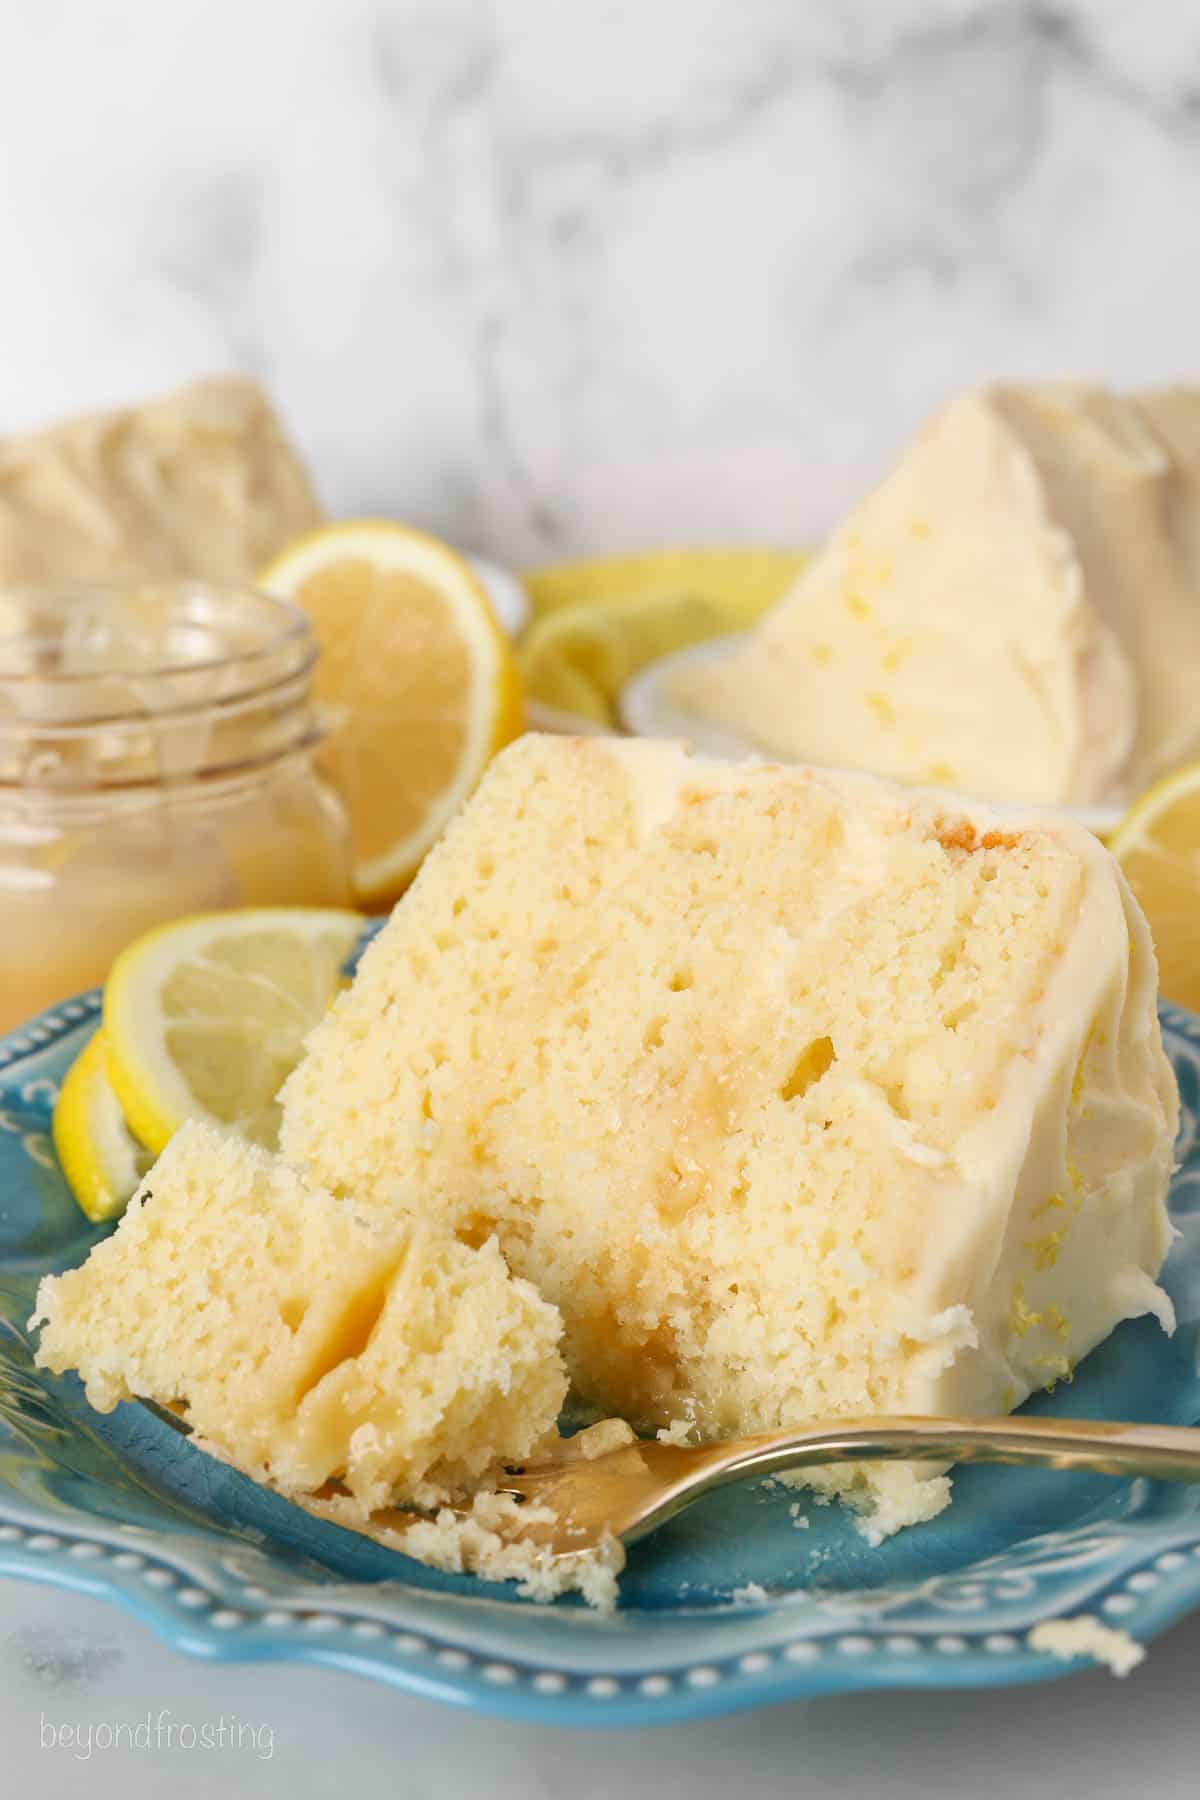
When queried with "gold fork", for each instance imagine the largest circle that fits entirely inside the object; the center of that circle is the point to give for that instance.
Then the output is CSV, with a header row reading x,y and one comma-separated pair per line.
x,y
631,1491
576,1504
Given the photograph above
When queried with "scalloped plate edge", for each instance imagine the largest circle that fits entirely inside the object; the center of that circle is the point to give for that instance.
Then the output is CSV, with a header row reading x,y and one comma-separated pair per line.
x,y
373,1638
366,1629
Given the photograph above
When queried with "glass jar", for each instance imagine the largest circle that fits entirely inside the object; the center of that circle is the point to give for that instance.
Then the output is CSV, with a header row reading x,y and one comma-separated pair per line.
x,y
156,759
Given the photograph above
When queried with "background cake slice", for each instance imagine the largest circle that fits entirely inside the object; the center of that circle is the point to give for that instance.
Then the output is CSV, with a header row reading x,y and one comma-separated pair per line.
x,y
304,1342
799,1094
1013,612
201,483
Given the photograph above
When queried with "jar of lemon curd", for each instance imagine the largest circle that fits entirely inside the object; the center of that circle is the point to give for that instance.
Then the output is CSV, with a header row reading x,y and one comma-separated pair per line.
x,y
156,759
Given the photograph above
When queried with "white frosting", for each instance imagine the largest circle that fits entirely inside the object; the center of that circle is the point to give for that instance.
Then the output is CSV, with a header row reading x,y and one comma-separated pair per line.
x,y
1012,613
1049,1269
1054,1224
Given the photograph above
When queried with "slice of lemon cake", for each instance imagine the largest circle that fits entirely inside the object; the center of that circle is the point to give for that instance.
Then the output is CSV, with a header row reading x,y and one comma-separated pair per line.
x,y
1011,613
200,483
799,1094
304,1343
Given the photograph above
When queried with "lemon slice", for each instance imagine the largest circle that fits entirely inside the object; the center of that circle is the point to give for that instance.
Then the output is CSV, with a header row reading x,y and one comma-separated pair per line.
x,y
420,678
1158,846
100,1157
206,1017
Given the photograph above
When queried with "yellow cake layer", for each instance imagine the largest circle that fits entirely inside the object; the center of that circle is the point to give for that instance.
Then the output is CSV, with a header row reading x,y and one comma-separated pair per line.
x,y
798,1094
304,1342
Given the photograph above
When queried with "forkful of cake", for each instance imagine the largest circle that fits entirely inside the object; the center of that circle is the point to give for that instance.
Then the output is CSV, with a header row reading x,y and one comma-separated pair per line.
x,y
630,1491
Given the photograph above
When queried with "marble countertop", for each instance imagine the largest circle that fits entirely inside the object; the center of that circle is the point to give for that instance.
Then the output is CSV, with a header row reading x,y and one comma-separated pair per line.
x,y
552,278
71,1662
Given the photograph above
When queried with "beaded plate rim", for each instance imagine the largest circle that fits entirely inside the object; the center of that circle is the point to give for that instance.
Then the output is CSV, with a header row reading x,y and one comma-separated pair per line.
x,y
201,1602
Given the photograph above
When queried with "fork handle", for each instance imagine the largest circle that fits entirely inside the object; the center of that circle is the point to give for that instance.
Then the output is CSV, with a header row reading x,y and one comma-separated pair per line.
x,y
1162,1452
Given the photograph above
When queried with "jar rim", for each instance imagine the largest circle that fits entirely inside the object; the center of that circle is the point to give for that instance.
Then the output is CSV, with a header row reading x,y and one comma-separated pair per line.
x,y
32,726
121,686
58,639
205,777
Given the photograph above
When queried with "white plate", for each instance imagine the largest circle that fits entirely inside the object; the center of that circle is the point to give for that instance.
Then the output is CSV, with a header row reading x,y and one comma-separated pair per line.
x,y
647,709
506,591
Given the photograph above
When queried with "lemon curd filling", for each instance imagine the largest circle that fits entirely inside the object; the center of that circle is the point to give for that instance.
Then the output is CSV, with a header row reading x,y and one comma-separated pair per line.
x,y
156,759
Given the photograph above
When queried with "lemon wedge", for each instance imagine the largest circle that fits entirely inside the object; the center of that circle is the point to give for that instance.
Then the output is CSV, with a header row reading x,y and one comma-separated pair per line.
x,y
1158,846
100,1157
419,676
742,582
204,1018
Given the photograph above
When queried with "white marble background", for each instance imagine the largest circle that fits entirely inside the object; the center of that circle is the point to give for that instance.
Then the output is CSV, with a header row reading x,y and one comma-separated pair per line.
x,y
573,275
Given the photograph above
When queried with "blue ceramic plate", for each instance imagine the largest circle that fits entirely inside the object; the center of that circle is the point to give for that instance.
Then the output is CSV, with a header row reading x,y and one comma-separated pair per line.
x,y
735,1604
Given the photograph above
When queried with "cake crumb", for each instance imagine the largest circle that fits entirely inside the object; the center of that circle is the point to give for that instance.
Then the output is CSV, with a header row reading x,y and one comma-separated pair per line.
x,y
913,1501
752,1594
894,1496
489,1541
1086,1635
599,1439
800,1520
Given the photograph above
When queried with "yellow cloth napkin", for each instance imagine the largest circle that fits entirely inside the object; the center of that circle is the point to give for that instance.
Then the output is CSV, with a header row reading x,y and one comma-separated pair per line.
x,y
596,623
